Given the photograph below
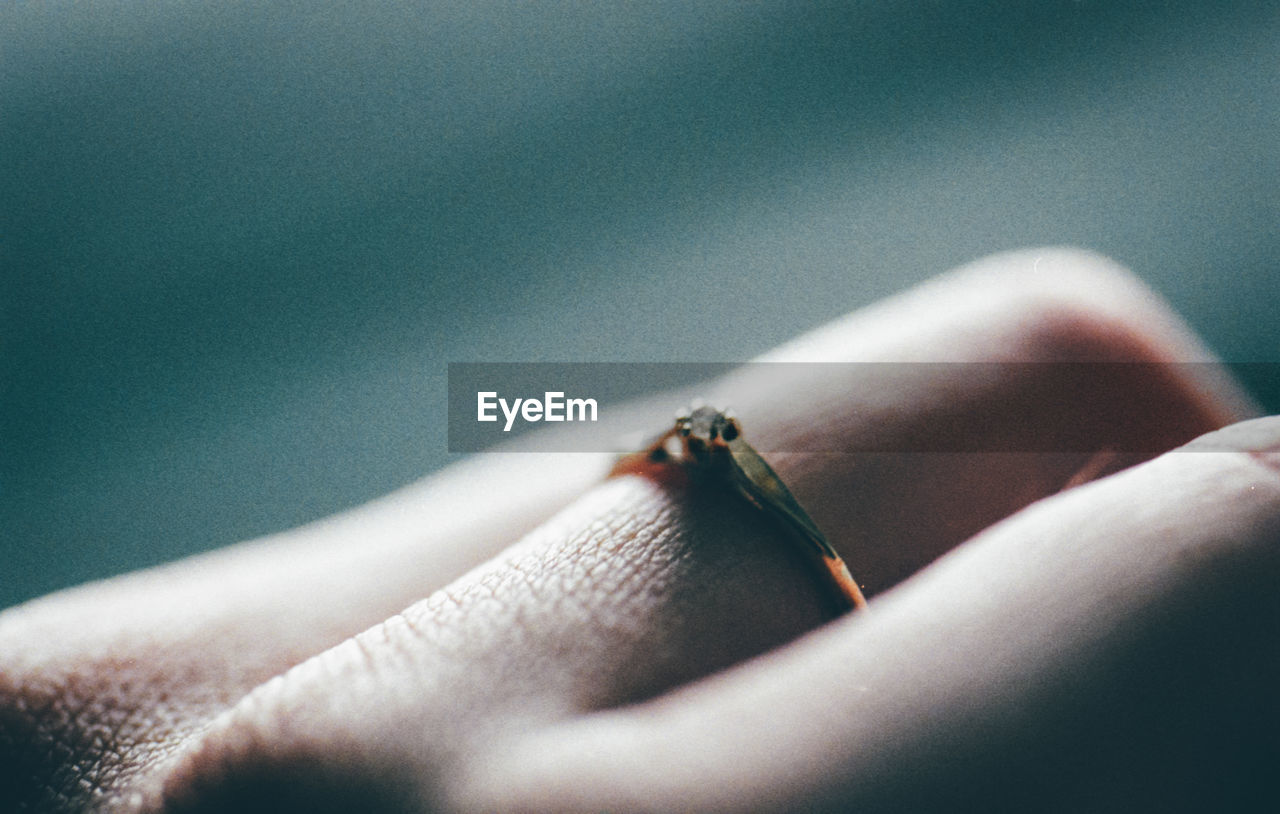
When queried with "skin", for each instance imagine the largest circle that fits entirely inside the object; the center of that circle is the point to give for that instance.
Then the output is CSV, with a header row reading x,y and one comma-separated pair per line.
x,y
645,643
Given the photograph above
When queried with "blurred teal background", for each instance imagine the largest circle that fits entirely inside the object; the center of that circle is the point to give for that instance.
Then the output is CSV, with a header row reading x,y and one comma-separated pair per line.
x,y
239,244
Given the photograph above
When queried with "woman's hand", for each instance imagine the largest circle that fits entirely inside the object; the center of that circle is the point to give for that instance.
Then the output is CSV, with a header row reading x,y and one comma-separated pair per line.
x,y
518,633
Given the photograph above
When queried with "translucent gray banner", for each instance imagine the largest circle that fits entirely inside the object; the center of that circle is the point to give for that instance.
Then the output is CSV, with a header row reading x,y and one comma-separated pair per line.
x,y
1077,407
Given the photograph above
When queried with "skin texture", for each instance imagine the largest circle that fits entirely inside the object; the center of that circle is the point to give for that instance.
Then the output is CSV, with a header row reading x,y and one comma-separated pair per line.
x,y
646,643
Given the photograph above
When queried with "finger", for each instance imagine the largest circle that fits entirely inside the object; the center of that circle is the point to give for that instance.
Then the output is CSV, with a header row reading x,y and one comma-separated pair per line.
x,y
1110,648
641,583
184,642
98,681
1031,307
912,496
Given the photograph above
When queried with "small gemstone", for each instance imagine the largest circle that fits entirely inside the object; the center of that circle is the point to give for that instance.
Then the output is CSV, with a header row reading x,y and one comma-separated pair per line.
x,y
707,423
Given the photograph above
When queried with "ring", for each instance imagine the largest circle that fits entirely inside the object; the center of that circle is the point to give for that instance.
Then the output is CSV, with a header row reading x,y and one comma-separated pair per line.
x,y
710,440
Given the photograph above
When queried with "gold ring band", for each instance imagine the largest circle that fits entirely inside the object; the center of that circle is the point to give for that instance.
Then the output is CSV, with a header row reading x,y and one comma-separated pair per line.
x,y
710,440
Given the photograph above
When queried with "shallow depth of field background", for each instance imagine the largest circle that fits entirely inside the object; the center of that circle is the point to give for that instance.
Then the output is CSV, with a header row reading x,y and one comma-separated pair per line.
x,y
239,245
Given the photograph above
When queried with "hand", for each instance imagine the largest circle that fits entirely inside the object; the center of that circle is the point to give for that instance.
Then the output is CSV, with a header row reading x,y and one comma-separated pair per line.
x,y
518,633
